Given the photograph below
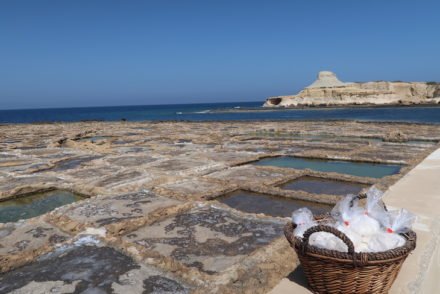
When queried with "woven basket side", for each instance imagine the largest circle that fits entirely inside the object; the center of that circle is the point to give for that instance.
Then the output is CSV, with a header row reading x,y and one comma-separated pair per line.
x,y
330,271
326,276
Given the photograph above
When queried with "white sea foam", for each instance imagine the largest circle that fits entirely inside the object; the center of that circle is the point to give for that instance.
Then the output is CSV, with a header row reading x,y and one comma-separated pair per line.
x,y
203,111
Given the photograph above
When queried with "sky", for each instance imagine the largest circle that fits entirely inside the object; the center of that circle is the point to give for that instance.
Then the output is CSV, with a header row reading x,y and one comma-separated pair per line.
x,y
101,53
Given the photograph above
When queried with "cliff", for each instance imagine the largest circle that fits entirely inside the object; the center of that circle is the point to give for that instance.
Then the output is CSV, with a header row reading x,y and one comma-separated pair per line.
x,y
328,90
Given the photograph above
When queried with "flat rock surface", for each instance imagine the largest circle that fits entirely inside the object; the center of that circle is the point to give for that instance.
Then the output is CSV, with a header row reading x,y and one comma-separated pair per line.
x,y
88,268
250,173
102,211
208,238
194,188
23,241
151,194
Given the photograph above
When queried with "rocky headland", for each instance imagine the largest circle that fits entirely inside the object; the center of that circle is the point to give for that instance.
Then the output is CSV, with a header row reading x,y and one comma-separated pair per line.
x,y
328,90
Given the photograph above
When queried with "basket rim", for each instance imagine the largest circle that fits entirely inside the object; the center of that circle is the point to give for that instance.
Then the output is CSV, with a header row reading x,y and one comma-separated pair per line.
x,y
357,258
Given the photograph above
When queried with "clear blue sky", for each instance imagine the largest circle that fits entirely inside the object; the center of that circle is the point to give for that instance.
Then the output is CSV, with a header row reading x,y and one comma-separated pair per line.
x,y
86,52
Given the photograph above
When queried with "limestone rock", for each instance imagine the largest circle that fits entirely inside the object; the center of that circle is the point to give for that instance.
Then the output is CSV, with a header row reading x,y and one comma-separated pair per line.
x,y
328,90
326,79
396,136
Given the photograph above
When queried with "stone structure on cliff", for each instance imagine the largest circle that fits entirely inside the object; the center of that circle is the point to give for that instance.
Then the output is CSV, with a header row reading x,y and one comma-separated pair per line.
x,y
328,90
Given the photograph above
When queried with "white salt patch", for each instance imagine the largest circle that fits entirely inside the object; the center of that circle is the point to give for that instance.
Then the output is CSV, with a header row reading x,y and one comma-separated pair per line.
x,y
86,240
101,232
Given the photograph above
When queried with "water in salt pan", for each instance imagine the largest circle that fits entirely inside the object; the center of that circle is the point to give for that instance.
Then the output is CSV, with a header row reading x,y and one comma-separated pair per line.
x,y
360,169
323,186
270,205
34,205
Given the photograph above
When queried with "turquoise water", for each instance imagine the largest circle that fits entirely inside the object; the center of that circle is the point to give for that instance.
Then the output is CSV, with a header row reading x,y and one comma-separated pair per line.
x,y
34,205
360,169
221,112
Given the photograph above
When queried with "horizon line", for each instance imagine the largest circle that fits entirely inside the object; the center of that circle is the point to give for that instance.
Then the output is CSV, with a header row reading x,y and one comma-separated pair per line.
x,y
128,105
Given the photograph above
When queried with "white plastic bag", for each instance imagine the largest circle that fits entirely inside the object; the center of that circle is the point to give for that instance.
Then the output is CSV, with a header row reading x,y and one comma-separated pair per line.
x,y
355,238
374,207
303,218
346,210
384,241
355,222
398,221
365,226
394,223
327,241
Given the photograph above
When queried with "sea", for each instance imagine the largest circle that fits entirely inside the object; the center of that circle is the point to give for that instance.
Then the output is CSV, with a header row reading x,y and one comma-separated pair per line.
x,y
236,111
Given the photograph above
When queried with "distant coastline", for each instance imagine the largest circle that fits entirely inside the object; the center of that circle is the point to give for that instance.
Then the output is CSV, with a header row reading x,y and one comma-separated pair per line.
x,y
329,91
330,106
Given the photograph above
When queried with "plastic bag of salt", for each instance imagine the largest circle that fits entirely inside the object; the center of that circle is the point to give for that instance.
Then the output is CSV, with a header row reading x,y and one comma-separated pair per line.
x,y
394,222
365,224
327,241
351,220
303,218
346,210
398,221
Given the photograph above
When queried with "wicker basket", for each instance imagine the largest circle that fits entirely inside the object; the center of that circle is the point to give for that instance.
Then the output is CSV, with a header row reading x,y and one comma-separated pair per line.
x,y
330,271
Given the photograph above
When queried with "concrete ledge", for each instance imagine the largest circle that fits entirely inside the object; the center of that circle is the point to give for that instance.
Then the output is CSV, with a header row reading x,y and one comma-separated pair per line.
x,y
419,192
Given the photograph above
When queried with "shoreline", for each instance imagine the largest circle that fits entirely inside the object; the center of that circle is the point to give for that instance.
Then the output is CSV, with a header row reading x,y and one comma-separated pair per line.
x,y
226,121
339,106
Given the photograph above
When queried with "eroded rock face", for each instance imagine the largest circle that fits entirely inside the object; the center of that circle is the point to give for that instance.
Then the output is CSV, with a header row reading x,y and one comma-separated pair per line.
x,y
327,90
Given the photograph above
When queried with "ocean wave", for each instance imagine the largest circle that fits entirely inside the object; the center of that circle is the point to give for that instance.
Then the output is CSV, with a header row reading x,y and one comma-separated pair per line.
x,y
203,111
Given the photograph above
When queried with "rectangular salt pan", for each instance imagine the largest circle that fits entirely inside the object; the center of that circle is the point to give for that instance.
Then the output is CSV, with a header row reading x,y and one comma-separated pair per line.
x,y
323,186
34,205
270,205
360,169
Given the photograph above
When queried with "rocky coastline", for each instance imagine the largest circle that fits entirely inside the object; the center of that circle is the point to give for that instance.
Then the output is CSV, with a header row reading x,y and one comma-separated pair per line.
x,y
329,91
